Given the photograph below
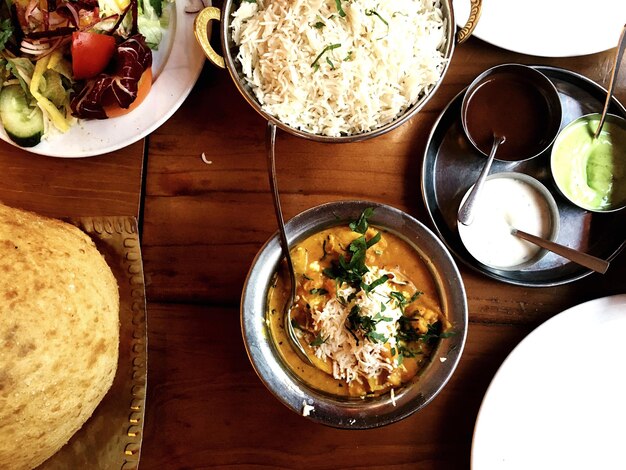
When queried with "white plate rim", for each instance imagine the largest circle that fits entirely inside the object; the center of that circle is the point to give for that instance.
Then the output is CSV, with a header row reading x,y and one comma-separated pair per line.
x,y
542,28
171,86
606,302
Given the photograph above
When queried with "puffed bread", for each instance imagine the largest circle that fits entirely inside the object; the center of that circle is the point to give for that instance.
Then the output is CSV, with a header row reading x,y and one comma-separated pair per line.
x,y
59,334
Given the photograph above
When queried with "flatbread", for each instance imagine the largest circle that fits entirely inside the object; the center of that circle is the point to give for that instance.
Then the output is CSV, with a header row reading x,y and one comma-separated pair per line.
x,y
59,334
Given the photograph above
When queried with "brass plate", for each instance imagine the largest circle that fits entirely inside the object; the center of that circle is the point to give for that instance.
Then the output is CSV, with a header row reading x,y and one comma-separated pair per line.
x,y
111,438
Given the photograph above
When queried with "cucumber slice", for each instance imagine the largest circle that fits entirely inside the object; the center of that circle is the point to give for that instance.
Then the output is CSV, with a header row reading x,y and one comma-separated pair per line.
x,y
23,124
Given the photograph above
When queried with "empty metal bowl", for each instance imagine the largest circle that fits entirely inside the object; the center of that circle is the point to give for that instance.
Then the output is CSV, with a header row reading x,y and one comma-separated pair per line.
x,y
341,412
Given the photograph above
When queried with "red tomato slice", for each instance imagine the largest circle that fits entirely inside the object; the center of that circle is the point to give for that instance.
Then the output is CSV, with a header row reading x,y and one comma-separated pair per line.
x,y
91,53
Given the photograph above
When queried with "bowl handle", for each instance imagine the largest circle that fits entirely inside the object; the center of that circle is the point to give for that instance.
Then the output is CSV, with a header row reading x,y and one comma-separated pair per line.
x,y
202,30
466,31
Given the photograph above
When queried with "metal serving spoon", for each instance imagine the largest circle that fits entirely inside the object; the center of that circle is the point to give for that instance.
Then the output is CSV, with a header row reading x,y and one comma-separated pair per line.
x,y
291,333
595,264
466,211
621,45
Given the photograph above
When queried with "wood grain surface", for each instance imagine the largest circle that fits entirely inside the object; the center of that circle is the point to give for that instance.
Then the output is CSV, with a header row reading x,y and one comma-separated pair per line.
x,y
203,222
104,185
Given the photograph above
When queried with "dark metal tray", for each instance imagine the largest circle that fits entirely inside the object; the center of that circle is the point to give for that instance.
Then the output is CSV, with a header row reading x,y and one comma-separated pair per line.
x,y
451,165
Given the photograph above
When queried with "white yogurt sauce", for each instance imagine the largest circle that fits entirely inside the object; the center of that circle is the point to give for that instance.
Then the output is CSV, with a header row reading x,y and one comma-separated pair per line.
x,y
504,203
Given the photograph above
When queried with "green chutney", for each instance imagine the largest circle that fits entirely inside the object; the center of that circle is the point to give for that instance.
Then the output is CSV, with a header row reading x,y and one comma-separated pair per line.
x,y
591,172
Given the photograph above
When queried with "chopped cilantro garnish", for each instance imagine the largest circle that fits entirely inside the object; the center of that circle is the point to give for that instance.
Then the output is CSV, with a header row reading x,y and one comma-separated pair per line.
x,y
374,12
366,325
370,287
339,8
330,47
318,291
319,340
319,25
352,272
402,300
377,337
361,225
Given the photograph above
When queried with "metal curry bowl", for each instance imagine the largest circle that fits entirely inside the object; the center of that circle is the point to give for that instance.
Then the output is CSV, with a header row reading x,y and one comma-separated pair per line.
x,y
343,412
202,29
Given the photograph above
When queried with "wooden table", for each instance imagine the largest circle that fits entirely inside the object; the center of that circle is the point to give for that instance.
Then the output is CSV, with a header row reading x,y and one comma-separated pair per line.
x,y
201,227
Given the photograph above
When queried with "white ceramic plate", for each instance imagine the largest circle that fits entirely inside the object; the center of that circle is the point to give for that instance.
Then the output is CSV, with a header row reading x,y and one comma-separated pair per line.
x,y
559,400
548,28
176,67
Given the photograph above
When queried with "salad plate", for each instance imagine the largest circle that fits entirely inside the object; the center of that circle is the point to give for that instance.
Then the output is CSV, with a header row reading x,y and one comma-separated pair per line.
x,y
451,165
557,28
557,401
176,67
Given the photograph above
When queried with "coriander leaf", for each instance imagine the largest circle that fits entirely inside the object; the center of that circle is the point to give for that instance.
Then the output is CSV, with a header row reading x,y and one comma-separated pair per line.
x,y
370,287
318,341
375,239
377,337
374,12
319,25
379,317
339,8
361,225
326,49
318,291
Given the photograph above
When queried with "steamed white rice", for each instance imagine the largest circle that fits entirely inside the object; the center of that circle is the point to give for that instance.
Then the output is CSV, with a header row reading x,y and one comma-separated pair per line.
x,y
328,74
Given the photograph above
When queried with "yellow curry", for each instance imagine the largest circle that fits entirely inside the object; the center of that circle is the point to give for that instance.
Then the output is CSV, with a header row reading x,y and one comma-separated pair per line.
x,y
367,310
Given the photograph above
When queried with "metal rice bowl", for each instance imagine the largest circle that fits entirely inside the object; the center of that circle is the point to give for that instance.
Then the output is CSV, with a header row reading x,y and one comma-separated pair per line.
x,y
230,49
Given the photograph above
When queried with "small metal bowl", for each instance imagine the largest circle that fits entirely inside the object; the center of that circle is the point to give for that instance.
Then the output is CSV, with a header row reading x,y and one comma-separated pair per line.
x,y
355,413
532,102
553,210
575,156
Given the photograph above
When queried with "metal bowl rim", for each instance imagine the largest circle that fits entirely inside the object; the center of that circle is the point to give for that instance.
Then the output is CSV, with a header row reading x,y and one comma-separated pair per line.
x,y
553,97
337,412
410,112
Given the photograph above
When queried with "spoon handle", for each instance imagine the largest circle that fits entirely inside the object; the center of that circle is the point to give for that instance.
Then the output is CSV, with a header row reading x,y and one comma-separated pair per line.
x,y
595,264
621,45
466,212
271,164
270,139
